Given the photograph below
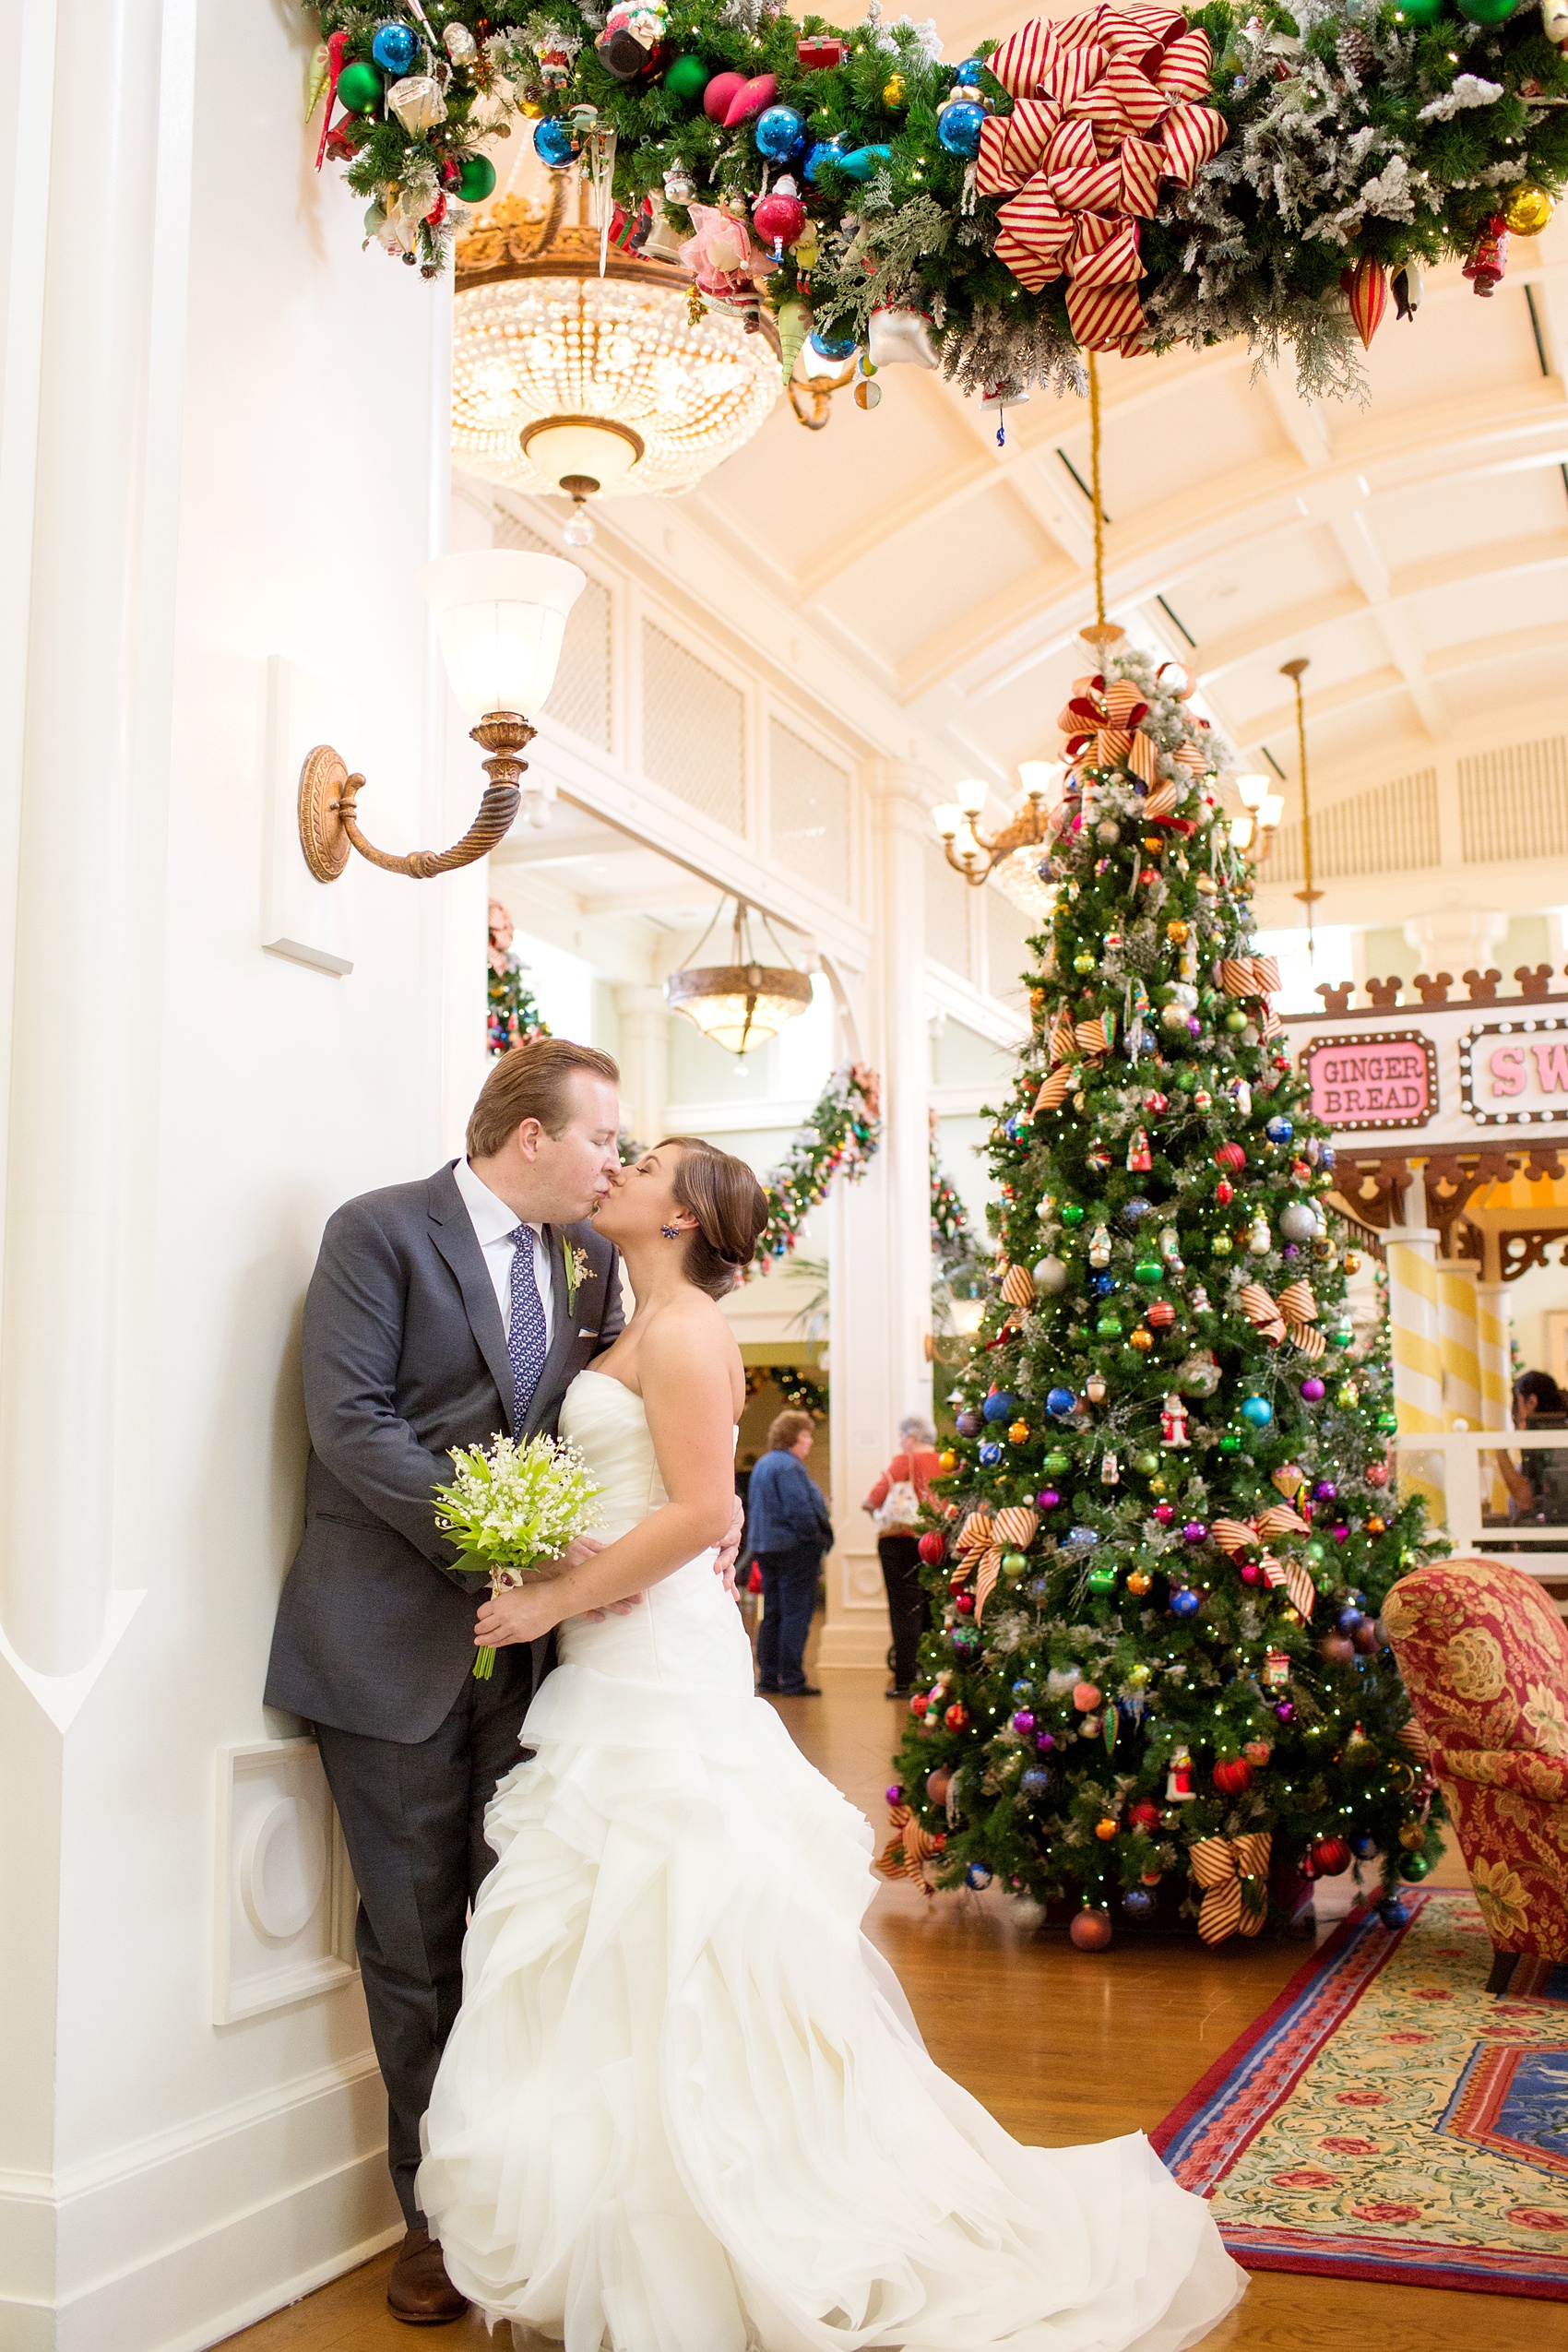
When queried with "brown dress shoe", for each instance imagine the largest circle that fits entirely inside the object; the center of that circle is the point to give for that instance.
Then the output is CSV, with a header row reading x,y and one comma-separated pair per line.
x,y
419,2291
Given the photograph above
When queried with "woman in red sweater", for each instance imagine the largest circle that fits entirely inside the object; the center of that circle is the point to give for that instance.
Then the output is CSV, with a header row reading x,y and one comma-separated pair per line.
x,y
893,1503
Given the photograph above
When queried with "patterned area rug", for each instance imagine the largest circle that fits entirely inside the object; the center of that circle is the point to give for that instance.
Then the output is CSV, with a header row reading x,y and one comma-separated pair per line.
x,y
1388,2119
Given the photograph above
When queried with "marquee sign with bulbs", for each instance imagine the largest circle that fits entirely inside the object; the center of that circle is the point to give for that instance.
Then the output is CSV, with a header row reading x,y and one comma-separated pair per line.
x,y
1491,1068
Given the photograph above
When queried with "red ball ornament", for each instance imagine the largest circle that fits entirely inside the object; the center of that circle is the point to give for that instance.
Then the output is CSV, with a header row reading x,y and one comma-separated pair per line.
x,y
1091,1931
1161,1314
1337,1650
1229,1156
958,1717
1145,1814
780,219
721,91
1225,1191
1165,1513
933,1549
918,1703
1330,1856
1368,1636
1376,1474
1250,1574
1086,1697
1233,1777
965,1604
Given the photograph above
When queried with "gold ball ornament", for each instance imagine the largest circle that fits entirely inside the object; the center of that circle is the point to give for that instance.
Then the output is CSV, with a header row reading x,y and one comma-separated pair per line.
x,y
1137,1583
893,90
947,1462
1140,1339
1018,1431
1411,1835
1105,1829
1528,209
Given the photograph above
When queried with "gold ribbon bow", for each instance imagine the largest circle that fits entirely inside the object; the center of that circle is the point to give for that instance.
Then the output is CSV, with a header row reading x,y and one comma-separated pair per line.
x,y
1234,1874
1291,1316
1105,106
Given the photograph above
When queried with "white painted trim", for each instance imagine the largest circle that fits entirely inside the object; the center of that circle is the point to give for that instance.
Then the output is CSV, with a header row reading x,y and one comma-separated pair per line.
x,y
61,1695
947,991
959,1102
727,1118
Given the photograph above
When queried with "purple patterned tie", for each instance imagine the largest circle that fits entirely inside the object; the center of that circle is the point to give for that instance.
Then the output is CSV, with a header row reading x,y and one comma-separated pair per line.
x,y
525,1336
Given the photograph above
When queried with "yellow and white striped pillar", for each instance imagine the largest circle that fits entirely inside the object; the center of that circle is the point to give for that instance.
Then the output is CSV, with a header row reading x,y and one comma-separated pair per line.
x,y
1492,1323
1416,1347
1459,1341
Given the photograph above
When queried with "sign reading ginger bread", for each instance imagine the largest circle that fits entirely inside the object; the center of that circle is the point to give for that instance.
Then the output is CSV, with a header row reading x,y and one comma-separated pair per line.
x,y
1383,1078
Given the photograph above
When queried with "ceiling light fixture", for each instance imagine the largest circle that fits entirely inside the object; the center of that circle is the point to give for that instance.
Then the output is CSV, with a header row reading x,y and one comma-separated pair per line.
x,y
743,1002
1309,896
1013,854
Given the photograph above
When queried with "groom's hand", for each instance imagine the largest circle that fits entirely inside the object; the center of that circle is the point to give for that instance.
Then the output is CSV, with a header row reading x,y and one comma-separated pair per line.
x,y
724,1558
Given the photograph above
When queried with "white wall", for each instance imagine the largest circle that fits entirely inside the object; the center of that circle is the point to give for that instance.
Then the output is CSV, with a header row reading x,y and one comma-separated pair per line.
x,y
162,2177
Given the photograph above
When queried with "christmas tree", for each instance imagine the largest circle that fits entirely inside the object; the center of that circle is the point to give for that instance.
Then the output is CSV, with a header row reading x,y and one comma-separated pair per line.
x,y
1167,1527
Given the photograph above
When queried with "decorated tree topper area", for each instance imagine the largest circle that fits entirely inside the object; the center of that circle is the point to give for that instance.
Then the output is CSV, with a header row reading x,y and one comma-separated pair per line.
x,y
1127,178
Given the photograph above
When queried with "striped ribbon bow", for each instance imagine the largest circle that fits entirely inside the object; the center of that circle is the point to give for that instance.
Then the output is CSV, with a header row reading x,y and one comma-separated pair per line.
x,y
1105,106
910,1848
1100,723
1234,1874
1236,1536
1071,1042
1249,974
1292,1316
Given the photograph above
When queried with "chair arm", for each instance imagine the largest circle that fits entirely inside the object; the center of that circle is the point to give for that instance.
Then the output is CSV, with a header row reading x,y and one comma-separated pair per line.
x,y
1544,1777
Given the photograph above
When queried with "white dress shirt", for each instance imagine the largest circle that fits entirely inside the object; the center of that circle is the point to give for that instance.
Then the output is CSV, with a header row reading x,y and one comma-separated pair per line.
x,y
494,1225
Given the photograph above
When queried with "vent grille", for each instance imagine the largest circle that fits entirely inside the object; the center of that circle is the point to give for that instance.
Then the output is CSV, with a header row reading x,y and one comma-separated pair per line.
x,y
1390,830
947,900
580,697
809,810
1010,963
693,731
1514,803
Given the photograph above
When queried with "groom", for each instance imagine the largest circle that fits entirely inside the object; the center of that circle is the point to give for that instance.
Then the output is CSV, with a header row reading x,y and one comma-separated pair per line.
x,y
440,1313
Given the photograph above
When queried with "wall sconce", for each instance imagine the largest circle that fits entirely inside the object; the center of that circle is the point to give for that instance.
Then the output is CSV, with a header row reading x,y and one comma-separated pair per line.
x,y
1255,831
500,616
967,850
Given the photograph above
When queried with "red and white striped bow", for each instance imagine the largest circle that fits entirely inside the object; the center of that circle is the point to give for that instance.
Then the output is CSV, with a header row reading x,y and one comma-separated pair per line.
x,y
1292,1315
1106,106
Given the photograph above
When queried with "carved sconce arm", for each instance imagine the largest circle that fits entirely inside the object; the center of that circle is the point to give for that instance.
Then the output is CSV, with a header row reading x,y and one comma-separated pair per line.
x,y
329,826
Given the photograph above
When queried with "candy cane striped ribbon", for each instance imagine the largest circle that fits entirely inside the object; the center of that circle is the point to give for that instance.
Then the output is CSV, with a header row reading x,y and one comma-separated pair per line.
x,y
1233,1873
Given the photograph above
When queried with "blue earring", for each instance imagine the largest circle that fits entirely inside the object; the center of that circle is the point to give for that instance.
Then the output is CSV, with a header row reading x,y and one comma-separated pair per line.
x,y
671,1233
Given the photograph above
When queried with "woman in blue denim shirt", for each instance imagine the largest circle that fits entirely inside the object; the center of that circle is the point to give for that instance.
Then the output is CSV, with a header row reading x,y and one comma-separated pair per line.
x,y
788,1530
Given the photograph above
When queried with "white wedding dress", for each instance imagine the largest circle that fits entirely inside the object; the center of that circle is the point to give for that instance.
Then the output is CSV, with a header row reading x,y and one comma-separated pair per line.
x,y
684,2106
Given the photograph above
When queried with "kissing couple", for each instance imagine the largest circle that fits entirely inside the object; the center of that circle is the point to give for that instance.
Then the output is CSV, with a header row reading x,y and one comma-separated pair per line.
x,y
649,2087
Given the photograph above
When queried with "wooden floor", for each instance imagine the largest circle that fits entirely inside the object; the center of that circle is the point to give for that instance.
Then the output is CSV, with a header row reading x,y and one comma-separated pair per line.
x,y
1063,2046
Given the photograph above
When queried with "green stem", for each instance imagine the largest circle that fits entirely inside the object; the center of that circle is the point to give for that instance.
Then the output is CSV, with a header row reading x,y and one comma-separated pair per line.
x,y
484,1665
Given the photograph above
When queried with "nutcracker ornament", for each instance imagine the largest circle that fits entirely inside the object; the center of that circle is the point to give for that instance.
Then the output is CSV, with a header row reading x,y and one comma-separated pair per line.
x,y
1179,1787
1488,257
1139,1157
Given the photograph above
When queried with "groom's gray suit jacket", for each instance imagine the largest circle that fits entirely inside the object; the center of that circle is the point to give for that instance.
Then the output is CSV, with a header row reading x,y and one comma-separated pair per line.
x,y
405,1356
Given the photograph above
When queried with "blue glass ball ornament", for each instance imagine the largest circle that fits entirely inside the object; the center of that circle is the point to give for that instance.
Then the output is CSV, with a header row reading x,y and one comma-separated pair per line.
x,y
958,127
1103,1284
990,1453
969,72
1133,1211
1085,1538
1325,1155
553,142
1257,1412
1279,1129
1392,1912
976,1876
1001,1406
1138,1902
834,347
1363,1846
1184,1602
1022,1690
1038,1782
1348,1619
1060,1403
825,151
396,49
779,133
969,1424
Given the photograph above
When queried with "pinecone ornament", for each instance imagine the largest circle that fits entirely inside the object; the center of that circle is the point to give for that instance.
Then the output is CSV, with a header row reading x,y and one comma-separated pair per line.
x,y
1355,52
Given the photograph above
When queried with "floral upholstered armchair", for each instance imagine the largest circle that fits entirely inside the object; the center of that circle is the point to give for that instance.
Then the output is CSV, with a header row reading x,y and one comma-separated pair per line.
x,y
1484,1656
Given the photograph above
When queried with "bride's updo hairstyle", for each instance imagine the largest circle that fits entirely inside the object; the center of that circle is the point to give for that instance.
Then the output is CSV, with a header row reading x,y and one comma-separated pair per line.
x,y
730,1208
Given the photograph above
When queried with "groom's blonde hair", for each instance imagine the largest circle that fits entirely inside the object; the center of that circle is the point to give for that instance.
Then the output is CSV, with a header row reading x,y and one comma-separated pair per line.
x,y
533,1081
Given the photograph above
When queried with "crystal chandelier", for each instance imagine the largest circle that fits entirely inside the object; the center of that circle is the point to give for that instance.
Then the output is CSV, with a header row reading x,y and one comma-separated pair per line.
x,y
567,380
743,1003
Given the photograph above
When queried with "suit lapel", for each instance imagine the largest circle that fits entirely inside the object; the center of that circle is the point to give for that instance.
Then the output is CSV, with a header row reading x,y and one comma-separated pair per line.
x,y
564,1322
453,1233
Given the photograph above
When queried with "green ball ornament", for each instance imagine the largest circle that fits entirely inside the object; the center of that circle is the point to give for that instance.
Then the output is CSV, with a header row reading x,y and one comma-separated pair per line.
x,y
1236,1022
1414,1866
1145,1465
1102,1580
1388,1422
1057,1465
1314,1551
1347,1394
1220,1246
1487,12
1421,12
1148,1270
1231,1443
1085,963
1072,1213
359,88
1109,1328
1013,1563
687,79
476,179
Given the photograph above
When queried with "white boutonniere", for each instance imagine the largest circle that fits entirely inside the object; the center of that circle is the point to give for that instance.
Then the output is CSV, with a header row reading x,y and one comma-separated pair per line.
x,y
576,1264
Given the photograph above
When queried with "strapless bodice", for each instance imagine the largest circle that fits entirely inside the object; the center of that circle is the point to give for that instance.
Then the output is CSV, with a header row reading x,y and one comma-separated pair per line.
x,y
687,1629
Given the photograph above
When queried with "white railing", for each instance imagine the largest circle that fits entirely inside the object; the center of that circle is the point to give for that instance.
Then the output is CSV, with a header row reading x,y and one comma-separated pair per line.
x,y
1455,1469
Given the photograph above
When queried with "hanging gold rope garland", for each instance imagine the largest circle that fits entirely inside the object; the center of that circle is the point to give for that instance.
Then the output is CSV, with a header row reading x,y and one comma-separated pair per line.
x,y
1094,490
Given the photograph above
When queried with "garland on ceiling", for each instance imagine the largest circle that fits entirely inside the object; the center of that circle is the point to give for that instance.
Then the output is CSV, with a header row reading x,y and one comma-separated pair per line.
x,y
1131,178
840,1138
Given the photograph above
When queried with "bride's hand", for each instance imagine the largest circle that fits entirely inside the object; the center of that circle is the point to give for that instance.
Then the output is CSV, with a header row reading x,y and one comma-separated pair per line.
x,y
522,1613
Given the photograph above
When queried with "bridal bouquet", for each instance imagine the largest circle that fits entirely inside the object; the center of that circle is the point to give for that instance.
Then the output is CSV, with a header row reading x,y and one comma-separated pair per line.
x,y
512,1506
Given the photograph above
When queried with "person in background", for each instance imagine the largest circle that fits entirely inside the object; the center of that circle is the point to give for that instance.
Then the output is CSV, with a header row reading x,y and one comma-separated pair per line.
x,y
1537,1487
894,1503
788,1529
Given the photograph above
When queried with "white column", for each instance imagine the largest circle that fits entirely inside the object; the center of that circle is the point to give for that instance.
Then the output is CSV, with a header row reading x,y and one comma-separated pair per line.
x,y
880,1236
644,1061
91,398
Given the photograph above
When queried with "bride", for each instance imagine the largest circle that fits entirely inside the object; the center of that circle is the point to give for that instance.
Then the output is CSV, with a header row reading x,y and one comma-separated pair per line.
x,y
685,2106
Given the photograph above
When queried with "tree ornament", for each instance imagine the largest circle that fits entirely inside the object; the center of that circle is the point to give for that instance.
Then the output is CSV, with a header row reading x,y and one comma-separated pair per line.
x,y
1173,1424
418,103
1037,1781
1179,1777
686,79
395,48
899,336
1554,20
476,175
1105,1829
1061,1404
1184,1602
1257,1412
1073,1213
957,1717
1259,1239
999,1406
779,133
1526,209
1312,1389
894,93
1414,1867
1233,1777
1138,1582
779,216
554,142
1488,255
958,127
1366,286
359,88
1099,1247
1139,1903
